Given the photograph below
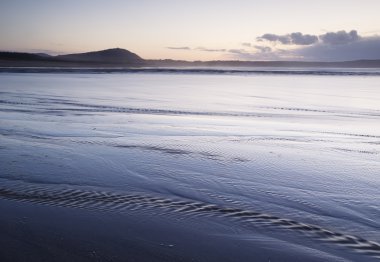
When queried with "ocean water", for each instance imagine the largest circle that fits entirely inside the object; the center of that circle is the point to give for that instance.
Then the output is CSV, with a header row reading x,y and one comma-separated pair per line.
x,y
190,166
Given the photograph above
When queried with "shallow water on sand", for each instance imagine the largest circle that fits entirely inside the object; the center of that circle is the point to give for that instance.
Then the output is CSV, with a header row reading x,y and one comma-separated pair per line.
x,y
189,167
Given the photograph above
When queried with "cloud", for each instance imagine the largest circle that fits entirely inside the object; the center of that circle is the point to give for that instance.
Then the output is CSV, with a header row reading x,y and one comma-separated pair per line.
x,y
265,53
301,39
331,46
362,48
340,37
237,51
268,37
209,49
179,48
204,49
263,49
283,39
296,38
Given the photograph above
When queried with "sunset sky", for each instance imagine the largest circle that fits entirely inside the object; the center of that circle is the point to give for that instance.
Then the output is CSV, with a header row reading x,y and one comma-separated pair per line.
x,y
197,29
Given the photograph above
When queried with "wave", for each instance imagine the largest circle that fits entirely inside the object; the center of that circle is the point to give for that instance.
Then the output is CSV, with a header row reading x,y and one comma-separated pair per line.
x,y
214,71
125,202
83,108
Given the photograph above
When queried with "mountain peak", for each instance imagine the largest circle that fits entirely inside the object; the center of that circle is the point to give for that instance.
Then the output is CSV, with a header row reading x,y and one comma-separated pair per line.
x,y
112,55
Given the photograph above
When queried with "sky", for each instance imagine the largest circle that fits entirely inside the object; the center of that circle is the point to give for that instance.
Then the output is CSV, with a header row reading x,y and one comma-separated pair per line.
x,y
323,30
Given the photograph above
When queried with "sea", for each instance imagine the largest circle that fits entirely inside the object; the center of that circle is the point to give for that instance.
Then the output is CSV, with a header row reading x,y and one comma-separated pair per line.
x,y
189,164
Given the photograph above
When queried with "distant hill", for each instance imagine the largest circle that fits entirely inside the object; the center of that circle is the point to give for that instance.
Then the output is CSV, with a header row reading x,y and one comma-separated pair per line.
x,y
14,56
117,57
43,54
283,64
114,55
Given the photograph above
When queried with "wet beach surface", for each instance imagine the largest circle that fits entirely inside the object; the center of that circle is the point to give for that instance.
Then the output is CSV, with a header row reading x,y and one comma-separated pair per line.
x,y
167,166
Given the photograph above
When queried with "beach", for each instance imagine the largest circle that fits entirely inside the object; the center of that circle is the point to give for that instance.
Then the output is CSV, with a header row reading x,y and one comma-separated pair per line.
x,y
177,165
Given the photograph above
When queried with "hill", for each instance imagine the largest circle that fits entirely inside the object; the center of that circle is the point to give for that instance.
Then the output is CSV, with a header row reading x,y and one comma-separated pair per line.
x,y
114,55
117,57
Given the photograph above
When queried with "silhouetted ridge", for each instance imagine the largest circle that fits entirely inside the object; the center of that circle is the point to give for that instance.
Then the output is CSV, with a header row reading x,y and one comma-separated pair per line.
x,y
114,55
117,57
15,56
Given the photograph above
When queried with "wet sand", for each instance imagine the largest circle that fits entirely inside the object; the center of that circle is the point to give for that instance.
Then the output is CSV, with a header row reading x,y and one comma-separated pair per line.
x,y
130,167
